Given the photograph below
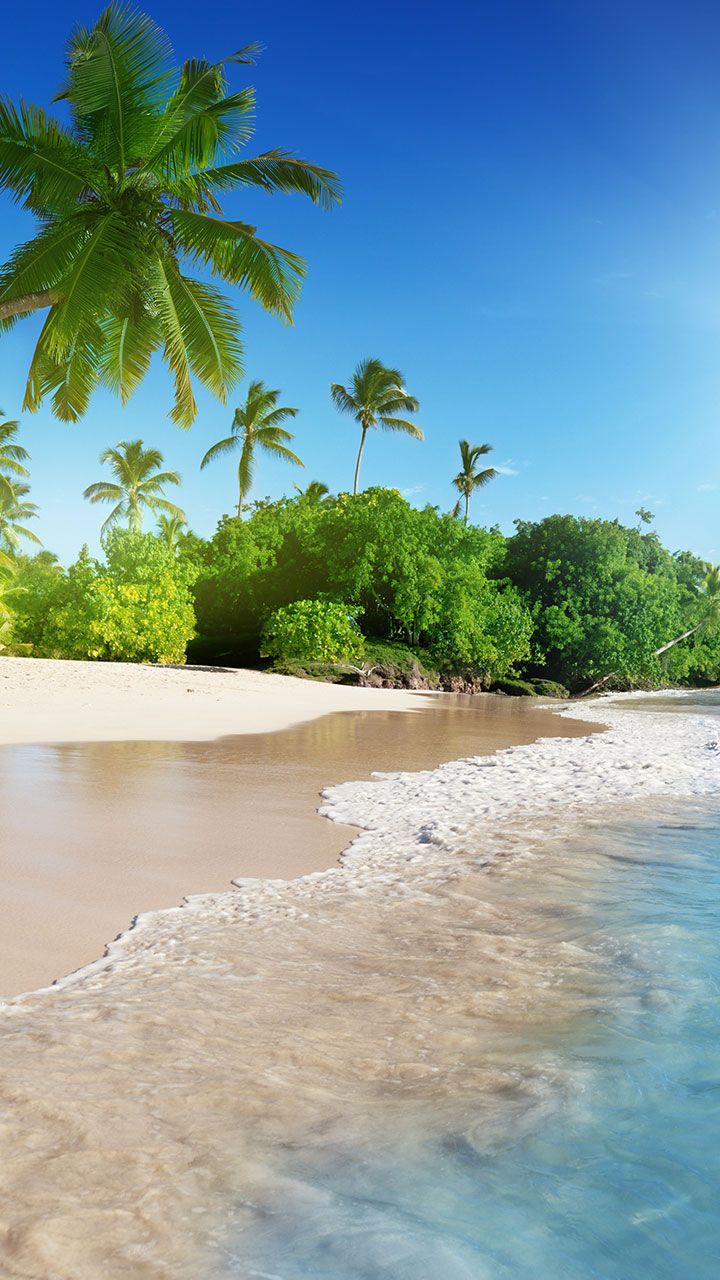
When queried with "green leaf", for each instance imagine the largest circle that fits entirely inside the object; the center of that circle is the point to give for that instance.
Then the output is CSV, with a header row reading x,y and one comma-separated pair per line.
x,y
273,276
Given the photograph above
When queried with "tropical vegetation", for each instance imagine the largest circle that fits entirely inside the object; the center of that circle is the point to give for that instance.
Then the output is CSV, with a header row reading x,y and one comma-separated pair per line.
x,y
138,486
375,397
256,427
127,197
470,477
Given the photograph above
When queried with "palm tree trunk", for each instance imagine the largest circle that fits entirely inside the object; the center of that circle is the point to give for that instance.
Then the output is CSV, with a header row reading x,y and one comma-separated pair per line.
x,y
467,507
664,648
359,460
28,302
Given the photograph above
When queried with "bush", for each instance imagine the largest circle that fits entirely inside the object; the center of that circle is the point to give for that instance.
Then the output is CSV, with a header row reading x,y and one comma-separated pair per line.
x,y
135,608
549,689
516,688
313,631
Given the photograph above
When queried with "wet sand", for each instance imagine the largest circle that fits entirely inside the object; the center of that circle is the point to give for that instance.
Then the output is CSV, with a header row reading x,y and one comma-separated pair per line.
x,y
94,833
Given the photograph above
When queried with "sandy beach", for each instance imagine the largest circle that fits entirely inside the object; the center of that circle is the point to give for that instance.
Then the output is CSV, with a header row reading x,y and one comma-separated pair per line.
x,y
43,700
144,804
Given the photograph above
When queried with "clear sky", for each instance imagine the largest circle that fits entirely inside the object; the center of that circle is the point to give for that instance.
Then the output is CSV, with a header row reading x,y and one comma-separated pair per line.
x,y
530,232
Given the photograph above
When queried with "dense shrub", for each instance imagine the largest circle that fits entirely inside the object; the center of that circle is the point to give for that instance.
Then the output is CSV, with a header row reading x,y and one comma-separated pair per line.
x,y
602,599
415,576
313,631
136,607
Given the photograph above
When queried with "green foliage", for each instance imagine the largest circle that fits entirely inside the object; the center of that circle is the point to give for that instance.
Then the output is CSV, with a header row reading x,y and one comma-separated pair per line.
x,y
255,427
415,576
516,688
125,195
313,630
375,397
137,607
603,598
138,486
549,689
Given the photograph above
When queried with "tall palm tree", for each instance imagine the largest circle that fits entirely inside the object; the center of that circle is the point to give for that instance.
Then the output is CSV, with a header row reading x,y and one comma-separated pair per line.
x,y
14,511
375,396
12,457
255,426
469,478
125,196
644,517
138,485
170,529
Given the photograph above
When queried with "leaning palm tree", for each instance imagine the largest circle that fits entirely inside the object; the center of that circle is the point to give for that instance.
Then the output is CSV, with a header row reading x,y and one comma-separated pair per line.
x,y
709,600
15,510
375,396
171,529
125,195
710,604
255,426
469,478
12,457
138,485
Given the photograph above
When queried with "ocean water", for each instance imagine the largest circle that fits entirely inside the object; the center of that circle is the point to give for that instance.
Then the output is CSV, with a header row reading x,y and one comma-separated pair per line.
x,y
609,1172
485,1047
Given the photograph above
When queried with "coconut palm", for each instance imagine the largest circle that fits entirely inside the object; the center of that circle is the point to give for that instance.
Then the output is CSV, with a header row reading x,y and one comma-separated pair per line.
x,y
12,457
644,517
125,195
375,396
313,493
14,511
255,426
469,478
171,529
138,485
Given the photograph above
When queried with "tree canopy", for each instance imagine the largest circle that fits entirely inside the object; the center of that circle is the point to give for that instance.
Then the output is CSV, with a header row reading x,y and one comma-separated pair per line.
x,y
128,194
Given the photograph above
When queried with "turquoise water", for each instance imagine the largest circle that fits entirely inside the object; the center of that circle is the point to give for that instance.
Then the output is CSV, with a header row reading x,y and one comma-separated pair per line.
x,y
613,1175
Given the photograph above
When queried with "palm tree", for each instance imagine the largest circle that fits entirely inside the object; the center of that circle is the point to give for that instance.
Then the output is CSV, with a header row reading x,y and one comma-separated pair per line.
x,y
469,478
375,396
139,484
14,511
12,457
313,493
256,425
125,196
644,517
710,596
170,529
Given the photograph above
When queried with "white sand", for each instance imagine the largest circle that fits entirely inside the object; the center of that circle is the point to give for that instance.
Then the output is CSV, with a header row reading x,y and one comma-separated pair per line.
x,y
44,700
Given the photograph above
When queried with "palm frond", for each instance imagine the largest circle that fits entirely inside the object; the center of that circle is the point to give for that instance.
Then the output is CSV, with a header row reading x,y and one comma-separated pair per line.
x,y
40,162
208,328
130,342
273,171
117,79
228,445
402,424
273,276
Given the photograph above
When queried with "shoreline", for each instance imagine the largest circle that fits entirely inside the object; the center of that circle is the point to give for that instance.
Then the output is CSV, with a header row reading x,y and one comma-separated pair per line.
x,y
314,1015
51,700
132,826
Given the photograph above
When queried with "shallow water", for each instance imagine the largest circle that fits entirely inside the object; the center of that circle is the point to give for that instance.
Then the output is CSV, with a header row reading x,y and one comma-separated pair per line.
x,y
595,1154
94,833
482,1050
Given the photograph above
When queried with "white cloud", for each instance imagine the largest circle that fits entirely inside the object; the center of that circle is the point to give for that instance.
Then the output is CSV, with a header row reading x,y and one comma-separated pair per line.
x,y
708,488
412,490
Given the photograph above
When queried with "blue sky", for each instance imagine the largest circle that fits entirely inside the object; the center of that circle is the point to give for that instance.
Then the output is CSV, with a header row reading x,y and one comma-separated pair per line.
x,y
530,232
